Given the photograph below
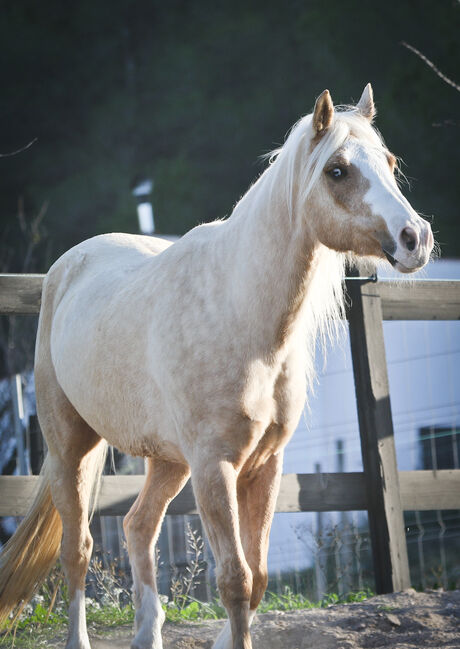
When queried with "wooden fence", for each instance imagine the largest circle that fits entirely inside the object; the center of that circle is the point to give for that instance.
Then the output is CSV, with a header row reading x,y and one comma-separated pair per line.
x,y
380,489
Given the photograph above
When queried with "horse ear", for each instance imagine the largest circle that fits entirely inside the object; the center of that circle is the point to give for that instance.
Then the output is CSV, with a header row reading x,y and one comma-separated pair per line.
x,y
323,112
366,104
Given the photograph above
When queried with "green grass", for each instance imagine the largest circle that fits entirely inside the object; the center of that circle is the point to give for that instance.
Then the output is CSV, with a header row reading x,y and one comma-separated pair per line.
x,y
43,623
290,601
43,628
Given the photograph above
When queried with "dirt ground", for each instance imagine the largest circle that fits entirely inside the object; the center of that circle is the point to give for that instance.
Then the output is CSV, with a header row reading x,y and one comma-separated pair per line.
x,y
406,620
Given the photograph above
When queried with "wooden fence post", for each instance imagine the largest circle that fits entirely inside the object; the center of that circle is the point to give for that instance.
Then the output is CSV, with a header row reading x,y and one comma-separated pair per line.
x,y
386,521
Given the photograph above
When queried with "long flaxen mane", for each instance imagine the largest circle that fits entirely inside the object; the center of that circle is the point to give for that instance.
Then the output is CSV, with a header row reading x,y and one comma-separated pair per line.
x,y
294,169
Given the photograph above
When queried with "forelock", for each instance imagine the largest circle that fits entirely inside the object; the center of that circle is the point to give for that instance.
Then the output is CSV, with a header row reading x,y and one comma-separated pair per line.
x,y
305,155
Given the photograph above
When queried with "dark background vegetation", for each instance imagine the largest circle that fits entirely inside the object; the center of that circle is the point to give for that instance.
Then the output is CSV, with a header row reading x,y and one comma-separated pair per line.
x,y
191,93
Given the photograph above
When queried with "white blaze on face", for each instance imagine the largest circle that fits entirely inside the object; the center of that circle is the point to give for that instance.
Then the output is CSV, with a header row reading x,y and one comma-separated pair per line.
x,y
413,240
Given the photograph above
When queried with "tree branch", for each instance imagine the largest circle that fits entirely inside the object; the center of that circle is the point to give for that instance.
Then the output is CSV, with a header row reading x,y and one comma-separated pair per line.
x,y
24,148
431,65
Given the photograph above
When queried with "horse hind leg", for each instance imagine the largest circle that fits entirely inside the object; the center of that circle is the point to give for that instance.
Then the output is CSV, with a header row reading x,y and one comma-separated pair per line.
x,y
75,459
257,501
142,526
76,455
71,486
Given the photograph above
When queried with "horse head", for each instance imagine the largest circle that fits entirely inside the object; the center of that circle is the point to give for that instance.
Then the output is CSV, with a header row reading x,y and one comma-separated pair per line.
x,y
357,204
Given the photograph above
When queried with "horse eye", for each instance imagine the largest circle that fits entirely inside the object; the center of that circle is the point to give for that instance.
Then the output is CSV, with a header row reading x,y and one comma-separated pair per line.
x,y
337,172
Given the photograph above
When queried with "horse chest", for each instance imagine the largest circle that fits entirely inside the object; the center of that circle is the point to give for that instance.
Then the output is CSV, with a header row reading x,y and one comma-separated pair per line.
x,y
280,408
273,440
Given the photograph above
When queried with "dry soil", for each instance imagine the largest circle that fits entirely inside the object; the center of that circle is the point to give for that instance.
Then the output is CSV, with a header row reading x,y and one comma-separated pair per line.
x,y
406,620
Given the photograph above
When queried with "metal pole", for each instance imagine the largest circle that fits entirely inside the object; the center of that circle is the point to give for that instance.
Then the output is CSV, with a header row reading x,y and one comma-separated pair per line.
x,y
320,559
18,416
344,578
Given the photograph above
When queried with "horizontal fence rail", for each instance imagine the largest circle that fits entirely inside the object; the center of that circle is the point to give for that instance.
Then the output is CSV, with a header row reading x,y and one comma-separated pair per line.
x,y
401,300
299,492
20,294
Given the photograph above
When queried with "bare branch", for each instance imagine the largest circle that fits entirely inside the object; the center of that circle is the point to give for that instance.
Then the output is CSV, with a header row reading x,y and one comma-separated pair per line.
x,y
24,148
431,65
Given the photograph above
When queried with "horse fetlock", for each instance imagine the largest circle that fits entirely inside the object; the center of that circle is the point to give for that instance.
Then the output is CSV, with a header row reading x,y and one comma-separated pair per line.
x,y
149,620
78,635
242,641
78,644
225,639
148,637
147,641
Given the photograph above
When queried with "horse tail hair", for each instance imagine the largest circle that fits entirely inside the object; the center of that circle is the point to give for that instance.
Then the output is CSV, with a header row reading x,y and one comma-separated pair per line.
x,y
30,553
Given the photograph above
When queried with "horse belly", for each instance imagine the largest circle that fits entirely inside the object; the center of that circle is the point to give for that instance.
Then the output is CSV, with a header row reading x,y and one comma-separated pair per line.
x,y
104,376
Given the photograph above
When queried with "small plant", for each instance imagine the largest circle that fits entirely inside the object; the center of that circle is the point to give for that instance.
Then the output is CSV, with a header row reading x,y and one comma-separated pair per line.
x,y
108,585
290,601
182,585
387,609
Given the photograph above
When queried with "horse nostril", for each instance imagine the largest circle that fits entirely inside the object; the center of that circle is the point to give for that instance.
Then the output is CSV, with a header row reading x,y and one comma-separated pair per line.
x,y
409,239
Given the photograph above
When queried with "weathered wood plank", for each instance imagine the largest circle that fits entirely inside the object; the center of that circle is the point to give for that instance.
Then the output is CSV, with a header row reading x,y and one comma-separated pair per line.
x,y
428,490
386,521
404,300
20,294
298,492
420,300
17,494
119,492
310,492
321,492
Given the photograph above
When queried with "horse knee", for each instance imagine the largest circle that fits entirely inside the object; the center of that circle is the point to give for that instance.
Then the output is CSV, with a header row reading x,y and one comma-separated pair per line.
x,y
75,555
136,533
234,581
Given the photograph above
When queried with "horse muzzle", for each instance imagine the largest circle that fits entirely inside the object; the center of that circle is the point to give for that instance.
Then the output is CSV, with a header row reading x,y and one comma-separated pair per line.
x,y
413,248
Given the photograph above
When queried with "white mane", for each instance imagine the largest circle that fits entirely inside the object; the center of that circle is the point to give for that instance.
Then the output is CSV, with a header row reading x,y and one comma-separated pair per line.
x,y
295,169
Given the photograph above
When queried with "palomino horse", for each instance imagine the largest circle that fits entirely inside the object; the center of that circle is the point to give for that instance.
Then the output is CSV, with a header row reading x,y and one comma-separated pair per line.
x,y
197,356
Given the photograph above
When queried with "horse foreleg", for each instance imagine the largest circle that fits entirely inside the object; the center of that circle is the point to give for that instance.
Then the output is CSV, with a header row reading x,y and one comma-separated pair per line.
x,y
142,526
214,485
256,505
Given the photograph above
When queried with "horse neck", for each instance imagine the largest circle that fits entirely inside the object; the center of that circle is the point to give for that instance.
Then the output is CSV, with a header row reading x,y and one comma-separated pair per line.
x,y
276,261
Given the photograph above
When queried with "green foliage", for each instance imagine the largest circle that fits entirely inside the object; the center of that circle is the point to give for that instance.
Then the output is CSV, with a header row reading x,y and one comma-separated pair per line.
x,y
290,601
108,615
41,615
42,625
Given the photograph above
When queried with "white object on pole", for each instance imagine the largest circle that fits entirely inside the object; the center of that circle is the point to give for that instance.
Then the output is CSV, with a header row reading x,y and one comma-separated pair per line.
x,y
143,188
145,216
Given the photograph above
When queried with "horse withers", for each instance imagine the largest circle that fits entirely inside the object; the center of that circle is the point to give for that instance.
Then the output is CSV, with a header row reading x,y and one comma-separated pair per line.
x,y
198,357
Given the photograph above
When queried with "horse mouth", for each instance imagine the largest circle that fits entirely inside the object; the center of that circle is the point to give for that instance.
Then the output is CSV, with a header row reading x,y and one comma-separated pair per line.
x,y
397,264
390,258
